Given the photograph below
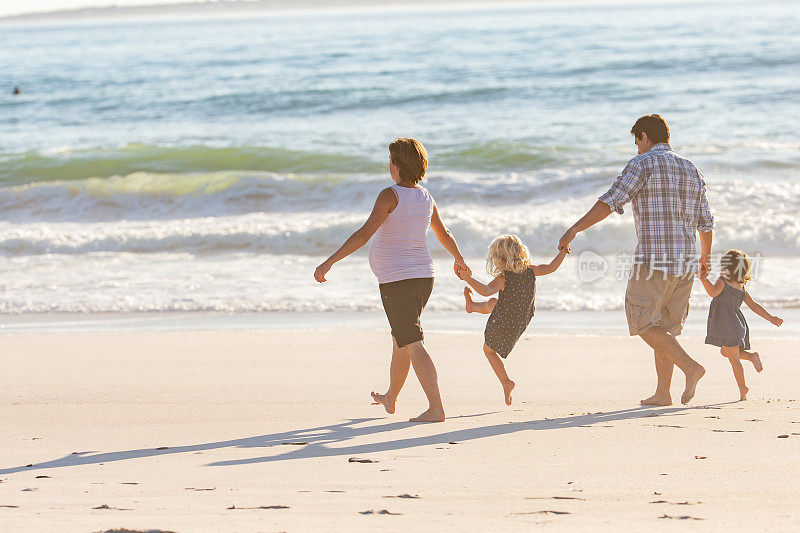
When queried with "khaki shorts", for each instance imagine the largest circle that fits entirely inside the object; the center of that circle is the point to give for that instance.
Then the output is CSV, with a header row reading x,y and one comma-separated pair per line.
x,y
655,298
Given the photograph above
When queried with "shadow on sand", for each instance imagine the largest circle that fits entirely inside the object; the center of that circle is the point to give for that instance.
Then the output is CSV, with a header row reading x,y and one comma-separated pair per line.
x,y
315,442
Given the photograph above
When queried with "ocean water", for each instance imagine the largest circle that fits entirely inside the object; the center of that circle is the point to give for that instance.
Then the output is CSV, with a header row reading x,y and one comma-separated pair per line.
x,y
209,165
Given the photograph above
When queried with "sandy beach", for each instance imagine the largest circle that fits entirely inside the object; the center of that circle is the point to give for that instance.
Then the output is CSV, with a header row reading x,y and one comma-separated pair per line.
x,y
261,430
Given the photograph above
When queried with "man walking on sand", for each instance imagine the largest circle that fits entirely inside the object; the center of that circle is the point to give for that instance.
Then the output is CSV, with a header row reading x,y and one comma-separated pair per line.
x,y
668,195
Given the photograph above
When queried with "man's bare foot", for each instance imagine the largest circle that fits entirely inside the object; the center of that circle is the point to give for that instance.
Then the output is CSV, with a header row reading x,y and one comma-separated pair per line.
x,y
385,400
507,388
756,360
691,383
468,297
658,399
431,415
743,394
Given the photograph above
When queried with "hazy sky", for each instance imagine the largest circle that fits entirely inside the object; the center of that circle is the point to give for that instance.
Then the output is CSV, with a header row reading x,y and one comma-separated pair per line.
x,y
9,7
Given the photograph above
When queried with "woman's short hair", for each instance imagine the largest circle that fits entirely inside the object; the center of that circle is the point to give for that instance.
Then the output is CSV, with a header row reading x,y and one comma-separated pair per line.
x,y
410,158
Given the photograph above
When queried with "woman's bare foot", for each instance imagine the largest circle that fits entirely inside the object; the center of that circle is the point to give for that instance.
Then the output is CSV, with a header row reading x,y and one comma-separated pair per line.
x,y
658,399
743,394
468,297
507,388
756,360
385,400
431,415
691,383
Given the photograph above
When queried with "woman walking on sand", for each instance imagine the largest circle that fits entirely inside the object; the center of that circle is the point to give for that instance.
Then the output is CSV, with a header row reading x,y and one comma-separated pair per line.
x,y
400,259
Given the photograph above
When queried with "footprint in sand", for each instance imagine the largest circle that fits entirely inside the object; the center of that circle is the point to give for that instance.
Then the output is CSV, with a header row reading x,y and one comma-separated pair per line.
x,y
406,496
382,511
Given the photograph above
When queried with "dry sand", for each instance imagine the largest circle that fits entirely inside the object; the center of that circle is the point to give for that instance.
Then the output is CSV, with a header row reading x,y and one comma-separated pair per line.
x,y
254,431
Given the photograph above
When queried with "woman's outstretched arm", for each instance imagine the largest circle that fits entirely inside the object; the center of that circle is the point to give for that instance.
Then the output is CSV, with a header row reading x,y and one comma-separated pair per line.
x,y
447,239
384,204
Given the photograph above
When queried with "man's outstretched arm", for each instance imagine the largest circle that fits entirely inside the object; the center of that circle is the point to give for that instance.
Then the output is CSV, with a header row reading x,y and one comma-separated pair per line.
x,y
627,185
598,212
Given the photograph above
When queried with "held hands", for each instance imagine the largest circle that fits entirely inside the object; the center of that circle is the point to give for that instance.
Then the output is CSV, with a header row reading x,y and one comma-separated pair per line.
x,y
705,267
319,273
462,270
565,240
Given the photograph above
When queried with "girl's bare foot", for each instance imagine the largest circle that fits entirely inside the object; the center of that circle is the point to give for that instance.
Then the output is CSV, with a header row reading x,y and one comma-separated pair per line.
x,y
468,297
431,415
743,394
385,400
756,360
658,399
508,386
691,383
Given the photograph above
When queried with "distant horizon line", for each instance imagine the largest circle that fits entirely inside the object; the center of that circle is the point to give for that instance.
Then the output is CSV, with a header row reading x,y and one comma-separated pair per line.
x,y
212,7
241,6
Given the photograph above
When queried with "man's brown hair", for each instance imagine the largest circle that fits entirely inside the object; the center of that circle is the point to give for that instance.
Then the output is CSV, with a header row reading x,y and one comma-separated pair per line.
x,y
410,158
654,126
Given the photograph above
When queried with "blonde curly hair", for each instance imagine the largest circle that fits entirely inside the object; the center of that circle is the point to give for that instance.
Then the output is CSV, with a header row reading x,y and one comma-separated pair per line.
x,y
736,266
507,254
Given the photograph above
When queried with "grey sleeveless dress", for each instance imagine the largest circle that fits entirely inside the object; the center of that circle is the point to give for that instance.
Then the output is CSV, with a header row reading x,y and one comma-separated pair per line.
x,y
512,313
726,323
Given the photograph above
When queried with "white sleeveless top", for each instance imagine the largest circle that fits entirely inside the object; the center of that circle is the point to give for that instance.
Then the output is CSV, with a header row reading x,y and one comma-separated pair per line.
x,y
399,249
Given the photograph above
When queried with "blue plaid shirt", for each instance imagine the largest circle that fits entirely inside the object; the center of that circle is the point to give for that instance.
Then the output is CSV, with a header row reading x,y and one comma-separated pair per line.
x,y
668,195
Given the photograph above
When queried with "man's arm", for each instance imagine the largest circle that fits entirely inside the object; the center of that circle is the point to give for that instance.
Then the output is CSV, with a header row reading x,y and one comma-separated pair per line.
x,y
706,240
705,225
626,186
598,212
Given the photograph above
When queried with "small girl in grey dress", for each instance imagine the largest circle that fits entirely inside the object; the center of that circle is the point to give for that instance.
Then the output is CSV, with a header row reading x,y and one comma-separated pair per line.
x,y
515,278
727,327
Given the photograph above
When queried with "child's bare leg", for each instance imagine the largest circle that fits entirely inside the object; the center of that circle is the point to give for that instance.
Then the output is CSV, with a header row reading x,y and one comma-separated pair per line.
x,y
732,353
398,372
484,308
500,370
753,357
